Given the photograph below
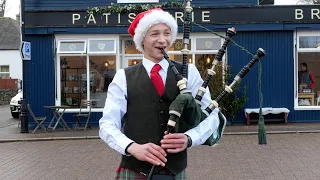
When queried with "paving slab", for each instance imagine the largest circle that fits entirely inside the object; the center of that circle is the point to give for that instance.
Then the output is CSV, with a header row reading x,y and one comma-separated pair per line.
x,y
274,128
236,157
12,132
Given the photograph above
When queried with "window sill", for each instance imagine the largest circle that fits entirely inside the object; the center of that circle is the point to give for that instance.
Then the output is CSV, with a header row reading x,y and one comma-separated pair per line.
x,y
301,108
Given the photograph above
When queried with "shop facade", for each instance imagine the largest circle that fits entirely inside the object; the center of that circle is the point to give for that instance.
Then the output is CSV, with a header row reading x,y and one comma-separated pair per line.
x,y
75,55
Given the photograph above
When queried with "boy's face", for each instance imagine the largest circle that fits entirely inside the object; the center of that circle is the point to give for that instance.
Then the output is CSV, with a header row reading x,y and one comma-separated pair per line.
x,y
158,36
303,68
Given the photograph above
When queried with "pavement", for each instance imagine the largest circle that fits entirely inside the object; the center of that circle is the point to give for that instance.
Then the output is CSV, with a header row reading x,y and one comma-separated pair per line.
x,y
291,153
5,116
11,132
236,157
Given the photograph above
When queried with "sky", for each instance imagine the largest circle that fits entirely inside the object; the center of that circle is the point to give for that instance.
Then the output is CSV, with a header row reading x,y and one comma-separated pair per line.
x,y
12,7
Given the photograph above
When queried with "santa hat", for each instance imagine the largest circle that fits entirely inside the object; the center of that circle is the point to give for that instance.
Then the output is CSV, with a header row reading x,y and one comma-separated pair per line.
x,y
145,20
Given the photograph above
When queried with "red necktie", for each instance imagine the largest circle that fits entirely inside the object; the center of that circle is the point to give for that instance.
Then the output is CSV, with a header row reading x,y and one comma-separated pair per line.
x,y
156,79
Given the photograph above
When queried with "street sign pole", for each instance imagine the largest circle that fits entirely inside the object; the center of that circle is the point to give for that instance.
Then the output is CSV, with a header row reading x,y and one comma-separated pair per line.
x,y
23,116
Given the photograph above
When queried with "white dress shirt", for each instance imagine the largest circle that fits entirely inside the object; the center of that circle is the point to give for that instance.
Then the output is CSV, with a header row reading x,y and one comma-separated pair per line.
x,y
116,107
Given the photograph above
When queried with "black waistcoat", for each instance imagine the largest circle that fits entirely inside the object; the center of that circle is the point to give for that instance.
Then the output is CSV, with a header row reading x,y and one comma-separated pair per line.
x,y
147,116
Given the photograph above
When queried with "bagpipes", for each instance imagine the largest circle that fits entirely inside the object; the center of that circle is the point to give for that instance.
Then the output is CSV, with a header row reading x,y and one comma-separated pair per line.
x,y
185,111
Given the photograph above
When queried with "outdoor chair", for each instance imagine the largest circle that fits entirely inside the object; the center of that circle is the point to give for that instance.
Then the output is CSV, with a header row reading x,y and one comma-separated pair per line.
x,y
85,112
38,120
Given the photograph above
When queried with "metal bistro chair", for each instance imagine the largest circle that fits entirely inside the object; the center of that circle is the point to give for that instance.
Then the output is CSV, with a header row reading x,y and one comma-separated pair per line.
x,y
38,120
85,105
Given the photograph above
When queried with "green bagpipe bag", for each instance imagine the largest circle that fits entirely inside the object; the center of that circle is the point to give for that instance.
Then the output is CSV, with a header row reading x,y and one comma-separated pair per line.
x,y
192,115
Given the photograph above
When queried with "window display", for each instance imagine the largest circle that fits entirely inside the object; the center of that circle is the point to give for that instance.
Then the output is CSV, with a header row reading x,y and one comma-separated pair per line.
x,y
87,67
204,62
308,76
102,71
73,80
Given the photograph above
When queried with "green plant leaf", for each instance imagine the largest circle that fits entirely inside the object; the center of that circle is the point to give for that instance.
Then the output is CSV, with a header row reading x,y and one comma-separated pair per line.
x,y
233,102
117,8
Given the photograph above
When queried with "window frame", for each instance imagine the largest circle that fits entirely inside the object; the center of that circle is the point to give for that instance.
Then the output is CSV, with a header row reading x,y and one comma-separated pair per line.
x,y
122,52
82,38
191,40
5,72
102,52
127,58
203,37
71,52
297,49
307,49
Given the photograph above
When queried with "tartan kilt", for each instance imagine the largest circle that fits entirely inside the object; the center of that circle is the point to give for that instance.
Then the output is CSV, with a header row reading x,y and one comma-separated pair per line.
x,y
127,174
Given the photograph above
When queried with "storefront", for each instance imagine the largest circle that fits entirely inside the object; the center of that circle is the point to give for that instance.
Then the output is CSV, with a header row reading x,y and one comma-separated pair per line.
x,y
75,55
100,56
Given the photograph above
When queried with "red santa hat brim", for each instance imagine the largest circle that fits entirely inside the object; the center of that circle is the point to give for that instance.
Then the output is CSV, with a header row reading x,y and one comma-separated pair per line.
x,y
143,21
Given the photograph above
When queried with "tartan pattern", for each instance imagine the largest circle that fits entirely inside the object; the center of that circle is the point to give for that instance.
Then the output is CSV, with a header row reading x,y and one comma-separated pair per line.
x,y
127,174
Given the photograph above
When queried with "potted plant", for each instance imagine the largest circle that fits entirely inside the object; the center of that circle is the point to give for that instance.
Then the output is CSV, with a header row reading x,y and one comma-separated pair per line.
x,y
233,102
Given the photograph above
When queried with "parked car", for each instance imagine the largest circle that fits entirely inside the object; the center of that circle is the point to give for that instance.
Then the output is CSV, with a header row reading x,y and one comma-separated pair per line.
x,y
15,105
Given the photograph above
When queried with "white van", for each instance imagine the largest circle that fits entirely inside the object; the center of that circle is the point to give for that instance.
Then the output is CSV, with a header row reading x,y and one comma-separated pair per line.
x,y
15,105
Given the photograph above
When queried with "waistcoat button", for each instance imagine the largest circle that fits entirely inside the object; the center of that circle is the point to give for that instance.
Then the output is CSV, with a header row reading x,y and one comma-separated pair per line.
x,y
161,112
161,100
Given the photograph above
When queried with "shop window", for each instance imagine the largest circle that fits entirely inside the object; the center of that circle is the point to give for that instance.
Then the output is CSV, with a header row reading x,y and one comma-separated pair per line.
x,y
73,80
308,76
308,79
309,42
179,57
178,45
204,62
72,46
102,70
87,67
4,72
102,46
130,47
132,62
208,44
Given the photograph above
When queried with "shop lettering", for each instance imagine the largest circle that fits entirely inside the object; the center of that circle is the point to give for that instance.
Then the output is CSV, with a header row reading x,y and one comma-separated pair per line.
x,y
92,19
314,14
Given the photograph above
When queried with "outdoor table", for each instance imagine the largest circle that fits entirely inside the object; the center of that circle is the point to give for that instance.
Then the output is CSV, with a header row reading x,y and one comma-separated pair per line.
x,y
58,116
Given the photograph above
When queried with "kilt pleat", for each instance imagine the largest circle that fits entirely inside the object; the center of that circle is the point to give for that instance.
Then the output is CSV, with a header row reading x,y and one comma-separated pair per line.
x,y
127,174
